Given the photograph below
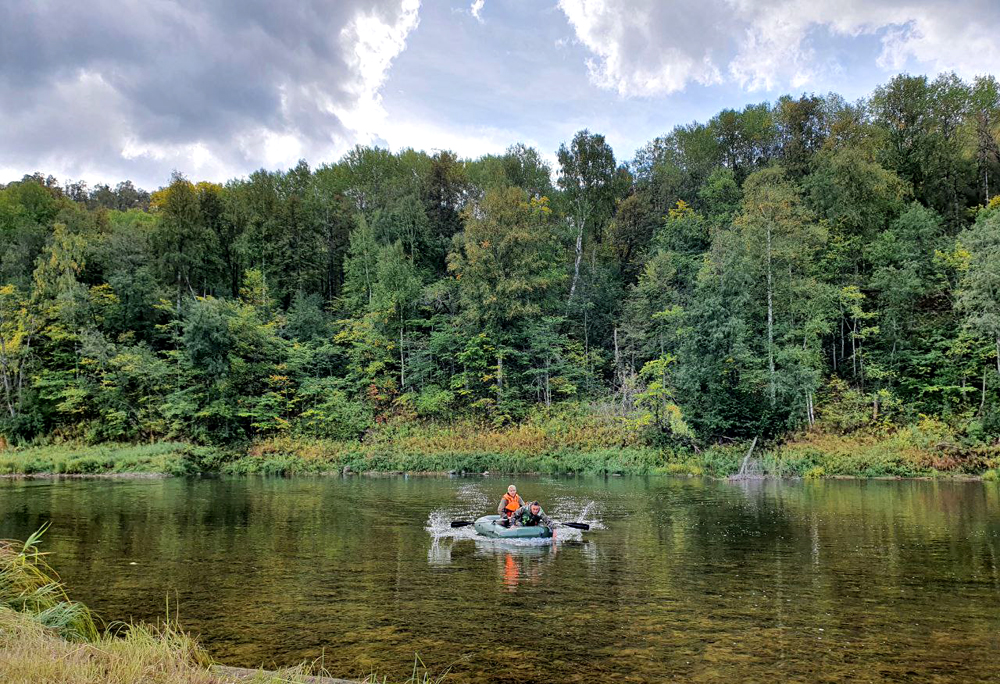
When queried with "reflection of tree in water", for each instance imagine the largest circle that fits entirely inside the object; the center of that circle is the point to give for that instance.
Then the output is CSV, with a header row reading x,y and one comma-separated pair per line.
x,y
798,566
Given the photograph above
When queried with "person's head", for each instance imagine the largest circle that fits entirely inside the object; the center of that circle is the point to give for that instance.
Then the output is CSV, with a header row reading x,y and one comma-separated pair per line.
x,y
512,490
535,508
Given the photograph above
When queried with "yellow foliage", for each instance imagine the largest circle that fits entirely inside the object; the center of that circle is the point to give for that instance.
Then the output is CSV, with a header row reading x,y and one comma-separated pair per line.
x,y
682,210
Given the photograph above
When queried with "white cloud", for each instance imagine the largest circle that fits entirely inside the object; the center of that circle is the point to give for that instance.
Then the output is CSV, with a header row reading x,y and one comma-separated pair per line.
x,y
370,45
477,8
647,47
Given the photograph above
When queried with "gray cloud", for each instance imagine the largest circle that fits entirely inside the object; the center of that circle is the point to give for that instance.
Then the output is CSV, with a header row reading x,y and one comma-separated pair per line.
x,y
112,89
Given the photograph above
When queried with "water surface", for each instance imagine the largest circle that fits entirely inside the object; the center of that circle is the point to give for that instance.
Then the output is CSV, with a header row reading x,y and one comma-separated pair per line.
x,y
684,579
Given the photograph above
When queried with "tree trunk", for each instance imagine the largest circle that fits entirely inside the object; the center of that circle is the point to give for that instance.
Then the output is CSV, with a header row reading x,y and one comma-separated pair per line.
x,y
499,375
618,376
7,384
548,387
579,258
402,366
982,401
854,355
770,317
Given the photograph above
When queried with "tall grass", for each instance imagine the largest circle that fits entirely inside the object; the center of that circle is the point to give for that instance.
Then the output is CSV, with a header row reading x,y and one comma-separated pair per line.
x,y
29,585
171,458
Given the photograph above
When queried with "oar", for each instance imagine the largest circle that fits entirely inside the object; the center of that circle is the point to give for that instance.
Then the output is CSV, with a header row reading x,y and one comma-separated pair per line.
x,y
576,525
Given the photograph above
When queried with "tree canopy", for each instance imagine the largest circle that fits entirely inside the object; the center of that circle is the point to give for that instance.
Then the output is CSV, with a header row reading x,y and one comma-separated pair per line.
x,y
731,280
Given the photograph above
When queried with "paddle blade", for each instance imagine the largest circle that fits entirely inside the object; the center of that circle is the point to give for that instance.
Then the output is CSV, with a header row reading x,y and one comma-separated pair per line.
x,y
460,523
578,526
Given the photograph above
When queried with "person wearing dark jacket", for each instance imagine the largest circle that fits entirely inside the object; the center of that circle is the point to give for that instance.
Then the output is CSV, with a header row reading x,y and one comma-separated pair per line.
x,y
530,515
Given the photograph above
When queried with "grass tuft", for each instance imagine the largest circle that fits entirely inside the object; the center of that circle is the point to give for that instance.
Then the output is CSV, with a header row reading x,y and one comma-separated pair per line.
x,y
29,585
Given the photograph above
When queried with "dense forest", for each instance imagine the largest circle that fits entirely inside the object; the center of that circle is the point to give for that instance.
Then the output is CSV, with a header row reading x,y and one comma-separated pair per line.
x,y
746,276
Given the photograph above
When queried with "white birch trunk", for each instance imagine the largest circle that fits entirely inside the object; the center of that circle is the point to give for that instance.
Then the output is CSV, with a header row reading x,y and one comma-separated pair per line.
x,y
770,315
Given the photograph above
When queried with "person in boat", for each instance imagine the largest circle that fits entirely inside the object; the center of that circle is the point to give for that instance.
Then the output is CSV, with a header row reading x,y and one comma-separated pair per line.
x,y
531,515
510,502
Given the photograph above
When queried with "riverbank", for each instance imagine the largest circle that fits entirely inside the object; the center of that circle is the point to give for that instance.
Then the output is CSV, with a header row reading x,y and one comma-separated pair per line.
x,y
554,445
107,460
46,637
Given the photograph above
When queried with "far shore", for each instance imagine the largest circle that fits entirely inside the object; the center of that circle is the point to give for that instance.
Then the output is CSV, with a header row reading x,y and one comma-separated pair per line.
x,y
808,457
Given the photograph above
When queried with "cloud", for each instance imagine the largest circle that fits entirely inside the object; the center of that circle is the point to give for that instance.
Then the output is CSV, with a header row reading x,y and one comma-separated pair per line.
x,y
111,89
476,9
648,48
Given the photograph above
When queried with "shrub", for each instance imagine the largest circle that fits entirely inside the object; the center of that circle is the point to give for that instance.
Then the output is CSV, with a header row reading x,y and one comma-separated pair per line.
x,y
333,415
434,402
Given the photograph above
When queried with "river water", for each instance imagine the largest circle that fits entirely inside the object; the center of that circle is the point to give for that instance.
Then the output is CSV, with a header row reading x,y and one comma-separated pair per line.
x,y
680,579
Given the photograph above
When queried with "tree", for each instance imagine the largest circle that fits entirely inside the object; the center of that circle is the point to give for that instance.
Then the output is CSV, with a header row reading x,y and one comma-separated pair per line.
x,y
18,329
985,110
780,240
395,294
507,266
979,293
588,180
181,240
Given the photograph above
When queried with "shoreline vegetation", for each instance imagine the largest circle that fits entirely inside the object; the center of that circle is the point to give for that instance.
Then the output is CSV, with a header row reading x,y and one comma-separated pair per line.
x,y
553,443
47,637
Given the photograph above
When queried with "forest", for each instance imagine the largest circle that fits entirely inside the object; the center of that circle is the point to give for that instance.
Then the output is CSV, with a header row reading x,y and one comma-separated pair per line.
x,y
810,260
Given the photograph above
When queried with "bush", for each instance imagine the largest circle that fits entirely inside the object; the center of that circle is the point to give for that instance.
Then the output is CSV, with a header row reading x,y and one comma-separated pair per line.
x,y
333,414
434,402
846,409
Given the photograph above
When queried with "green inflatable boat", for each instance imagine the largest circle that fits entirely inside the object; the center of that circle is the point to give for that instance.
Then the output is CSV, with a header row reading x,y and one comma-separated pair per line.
x,y
488,527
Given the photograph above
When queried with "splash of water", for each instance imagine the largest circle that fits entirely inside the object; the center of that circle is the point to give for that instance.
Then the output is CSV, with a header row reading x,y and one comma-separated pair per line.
x,y
573,510
439,524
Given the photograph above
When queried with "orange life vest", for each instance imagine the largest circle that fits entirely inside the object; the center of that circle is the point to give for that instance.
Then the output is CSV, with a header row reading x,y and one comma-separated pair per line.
x,y
511,504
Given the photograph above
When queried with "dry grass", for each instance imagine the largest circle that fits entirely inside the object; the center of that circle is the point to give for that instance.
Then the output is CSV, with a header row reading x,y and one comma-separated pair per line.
x,y
31,653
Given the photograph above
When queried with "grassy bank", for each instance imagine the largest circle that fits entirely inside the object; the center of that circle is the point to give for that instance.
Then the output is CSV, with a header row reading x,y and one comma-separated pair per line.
x,y
926,449
169,458
600,446
563,443
46,638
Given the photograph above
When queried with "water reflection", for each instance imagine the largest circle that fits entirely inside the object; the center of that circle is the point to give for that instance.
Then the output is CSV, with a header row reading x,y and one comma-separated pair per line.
x,y
691,579
521,560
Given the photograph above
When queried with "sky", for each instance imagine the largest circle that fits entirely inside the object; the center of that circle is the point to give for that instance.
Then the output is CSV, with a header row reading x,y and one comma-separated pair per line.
x,y
108,90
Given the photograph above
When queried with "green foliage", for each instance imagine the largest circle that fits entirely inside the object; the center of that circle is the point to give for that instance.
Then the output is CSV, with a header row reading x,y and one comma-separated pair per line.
x,y
434,402
74,459
330,412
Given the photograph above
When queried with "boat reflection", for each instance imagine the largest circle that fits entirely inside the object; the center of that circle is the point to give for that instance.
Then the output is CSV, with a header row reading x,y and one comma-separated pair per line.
x,y
519,562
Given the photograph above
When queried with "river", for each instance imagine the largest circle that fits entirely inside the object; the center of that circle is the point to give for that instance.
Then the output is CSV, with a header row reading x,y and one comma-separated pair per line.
x,y
680,579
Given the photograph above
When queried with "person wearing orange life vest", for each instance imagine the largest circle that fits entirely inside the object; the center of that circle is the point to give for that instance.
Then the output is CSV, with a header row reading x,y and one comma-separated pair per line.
x,y
510,502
